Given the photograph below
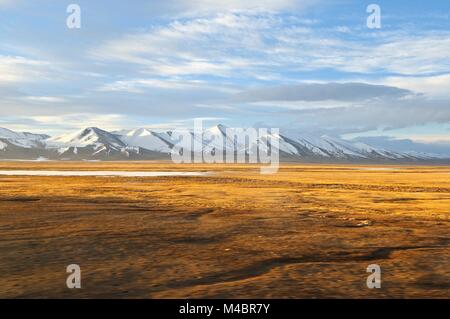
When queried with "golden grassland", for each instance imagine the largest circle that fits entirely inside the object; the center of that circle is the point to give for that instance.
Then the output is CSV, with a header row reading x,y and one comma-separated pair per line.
x,y
309,231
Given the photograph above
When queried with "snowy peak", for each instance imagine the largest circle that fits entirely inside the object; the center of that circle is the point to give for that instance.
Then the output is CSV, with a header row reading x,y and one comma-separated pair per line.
x,y
217,130
147,139
9,134
91,136
21,139
90,142
5,133
139,132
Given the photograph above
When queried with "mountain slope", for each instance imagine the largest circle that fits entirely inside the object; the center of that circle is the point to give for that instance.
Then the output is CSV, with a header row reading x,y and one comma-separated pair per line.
x,y
21,139
147,139
91,142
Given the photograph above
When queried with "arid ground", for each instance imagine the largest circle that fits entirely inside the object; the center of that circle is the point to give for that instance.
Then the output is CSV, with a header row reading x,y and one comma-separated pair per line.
x,y
309,231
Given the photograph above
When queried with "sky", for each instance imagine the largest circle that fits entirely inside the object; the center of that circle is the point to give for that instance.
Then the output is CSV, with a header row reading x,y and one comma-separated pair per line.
x,y
310,66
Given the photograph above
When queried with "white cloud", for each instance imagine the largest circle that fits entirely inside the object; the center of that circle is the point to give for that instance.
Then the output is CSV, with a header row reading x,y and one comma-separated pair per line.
x,y
79,121
408,55
139,85
260,46
437,86
217,46
211,46
45,99
145,84
14,69
431,138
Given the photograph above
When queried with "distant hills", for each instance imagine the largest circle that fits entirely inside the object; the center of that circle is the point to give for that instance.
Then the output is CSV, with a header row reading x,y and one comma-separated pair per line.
x,y
145,144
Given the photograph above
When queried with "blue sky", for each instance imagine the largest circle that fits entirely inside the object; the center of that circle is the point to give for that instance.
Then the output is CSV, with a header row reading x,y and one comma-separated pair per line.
x,y
308,66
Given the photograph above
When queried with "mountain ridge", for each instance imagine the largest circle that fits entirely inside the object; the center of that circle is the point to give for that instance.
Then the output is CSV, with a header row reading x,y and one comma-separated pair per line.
x,y
93,143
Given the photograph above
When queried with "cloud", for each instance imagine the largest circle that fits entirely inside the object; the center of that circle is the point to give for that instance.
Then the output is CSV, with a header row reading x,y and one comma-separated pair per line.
x,y
45,99
15,69
312,92
265,45
208,46
377,114
55,124
436,86
141,85
401,53
204,7
145,84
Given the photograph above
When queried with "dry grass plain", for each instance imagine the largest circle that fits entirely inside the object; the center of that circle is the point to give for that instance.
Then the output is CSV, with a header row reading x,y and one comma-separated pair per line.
x,y
309,231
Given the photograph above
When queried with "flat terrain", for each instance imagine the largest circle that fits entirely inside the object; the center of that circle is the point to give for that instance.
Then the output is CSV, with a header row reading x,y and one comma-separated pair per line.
x,y
309,231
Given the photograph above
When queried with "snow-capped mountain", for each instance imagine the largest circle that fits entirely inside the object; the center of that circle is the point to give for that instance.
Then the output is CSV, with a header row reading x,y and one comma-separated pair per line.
x,y
91,136
302,147
93,143
92,140
331,147
140,144
147,139
20,139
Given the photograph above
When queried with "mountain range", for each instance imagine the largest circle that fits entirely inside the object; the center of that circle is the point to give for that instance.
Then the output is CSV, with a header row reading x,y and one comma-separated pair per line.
x,y
145,144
